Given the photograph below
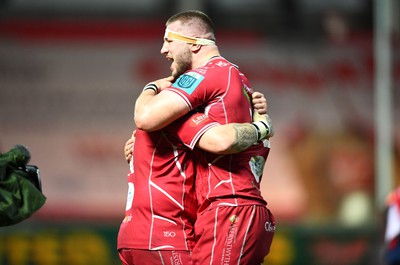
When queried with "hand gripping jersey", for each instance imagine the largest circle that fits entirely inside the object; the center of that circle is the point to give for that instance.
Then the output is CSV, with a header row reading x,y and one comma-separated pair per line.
x,y
161,203
223,91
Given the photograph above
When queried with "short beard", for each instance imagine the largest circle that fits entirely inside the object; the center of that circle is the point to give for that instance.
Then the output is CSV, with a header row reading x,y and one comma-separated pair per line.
x,y
183,63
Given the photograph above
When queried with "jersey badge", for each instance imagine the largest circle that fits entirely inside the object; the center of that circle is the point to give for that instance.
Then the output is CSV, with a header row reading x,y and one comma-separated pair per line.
x,y
234,219
188,82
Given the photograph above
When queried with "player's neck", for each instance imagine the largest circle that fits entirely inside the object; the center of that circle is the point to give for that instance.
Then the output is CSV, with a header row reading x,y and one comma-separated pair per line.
x,y
203,59
213,57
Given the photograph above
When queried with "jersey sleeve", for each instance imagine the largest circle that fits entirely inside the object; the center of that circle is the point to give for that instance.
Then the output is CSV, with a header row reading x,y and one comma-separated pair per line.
x,y
191,127
195,87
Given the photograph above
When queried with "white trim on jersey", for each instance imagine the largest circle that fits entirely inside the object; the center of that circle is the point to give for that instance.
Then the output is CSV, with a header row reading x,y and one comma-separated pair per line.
x,y
166,194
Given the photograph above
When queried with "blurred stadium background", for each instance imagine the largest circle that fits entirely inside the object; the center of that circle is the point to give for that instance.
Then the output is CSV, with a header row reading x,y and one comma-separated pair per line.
x,y
70,71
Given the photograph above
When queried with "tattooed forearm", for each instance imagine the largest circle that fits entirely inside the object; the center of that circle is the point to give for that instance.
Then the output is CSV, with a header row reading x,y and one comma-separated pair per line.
x,y
245,136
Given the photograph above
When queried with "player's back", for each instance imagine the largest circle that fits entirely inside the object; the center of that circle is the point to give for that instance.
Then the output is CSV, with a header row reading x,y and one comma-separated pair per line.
x,y
161,203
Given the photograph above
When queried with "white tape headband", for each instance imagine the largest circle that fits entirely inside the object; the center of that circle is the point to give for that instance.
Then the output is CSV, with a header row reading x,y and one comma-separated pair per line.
x,y
192,40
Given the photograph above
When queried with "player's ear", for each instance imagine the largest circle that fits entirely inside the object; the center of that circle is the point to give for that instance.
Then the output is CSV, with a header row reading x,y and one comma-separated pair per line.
x,y
195,48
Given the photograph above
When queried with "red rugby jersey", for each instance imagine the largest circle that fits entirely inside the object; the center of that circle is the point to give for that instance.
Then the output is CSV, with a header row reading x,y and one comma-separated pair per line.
x,y
161,203
223,91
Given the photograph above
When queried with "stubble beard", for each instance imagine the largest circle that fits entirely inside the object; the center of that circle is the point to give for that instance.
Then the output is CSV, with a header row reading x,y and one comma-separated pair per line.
x,y
183,63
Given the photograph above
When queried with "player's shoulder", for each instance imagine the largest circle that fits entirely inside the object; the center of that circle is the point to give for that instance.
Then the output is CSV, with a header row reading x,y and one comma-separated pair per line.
x,y
188,81
220,63
216,67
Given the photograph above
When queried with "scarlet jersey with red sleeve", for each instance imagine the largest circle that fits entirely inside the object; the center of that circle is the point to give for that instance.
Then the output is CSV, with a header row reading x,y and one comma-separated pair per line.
x,y
161,203
224,93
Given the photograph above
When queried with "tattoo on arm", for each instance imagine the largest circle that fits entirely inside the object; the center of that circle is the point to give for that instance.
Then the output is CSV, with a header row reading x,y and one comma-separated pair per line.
x,y
245,136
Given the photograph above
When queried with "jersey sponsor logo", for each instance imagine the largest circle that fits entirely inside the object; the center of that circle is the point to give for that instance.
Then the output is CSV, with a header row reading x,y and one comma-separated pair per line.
x,y
176,258
188,82
198,119
229,241
269,227
169,234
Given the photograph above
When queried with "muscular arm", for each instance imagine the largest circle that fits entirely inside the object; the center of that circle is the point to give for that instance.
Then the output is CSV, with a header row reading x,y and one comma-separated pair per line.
x,y
154,111
222,139
156,108
228,139
236,137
